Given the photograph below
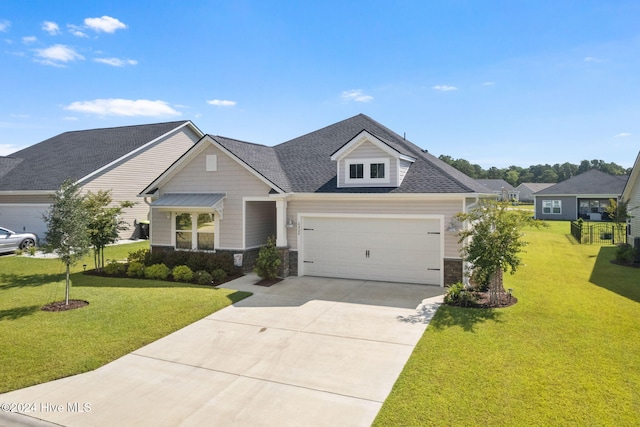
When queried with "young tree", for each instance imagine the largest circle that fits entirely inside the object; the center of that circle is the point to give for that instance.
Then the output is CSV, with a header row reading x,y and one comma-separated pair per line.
x,y
104,223
492,242
67,227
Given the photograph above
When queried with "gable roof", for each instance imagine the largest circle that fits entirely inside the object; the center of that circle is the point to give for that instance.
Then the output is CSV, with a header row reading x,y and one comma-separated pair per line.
x,y
496,184
592,182
74,155
633,178
534,186
304,163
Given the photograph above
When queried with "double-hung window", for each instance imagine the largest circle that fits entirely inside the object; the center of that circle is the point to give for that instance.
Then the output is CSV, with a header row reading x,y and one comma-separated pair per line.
x,y
369,171
552,207
377,170
356,171
195,231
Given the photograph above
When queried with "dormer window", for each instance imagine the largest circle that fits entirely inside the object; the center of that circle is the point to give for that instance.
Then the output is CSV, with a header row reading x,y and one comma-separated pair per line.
x,y
356,171
367,171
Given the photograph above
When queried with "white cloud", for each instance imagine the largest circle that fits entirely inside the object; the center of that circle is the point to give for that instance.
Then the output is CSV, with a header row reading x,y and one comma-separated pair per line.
x,y
221,103
6,149
104,24
76,30
4,25
623,134
488,83
116,62
70,118
57,55
356,95
29,39
444,88
51,28
123,107
19,116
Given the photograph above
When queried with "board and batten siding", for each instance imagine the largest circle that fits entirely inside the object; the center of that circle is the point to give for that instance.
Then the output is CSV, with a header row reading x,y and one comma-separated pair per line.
x,y
127,178
230,178
447,208
367,151
569,208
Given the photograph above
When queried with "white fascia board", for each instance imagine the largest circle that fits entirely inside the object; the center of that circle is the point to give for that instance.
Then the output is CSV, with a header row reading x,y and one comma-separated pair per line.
x,y
137,150
383,196
634,178
27,192
363,137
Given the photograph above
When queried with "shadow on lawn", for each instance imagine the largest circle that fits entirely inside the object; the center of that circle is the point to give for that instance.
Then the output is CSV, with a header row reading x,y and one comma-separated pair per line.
x,y
10,281
622,280
18,312
466,318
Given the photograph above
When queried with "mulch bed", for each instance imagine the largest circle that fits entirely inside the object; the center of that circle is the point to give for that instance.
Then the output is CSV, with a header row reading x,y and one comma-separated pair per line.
x,y
624,264
504,300
267,283
94,272
61,306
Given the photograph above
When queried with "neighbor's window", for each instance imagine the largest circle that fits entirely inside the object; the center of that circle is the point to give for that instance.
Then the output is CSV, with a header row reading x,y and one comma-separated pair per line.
x,y
377,170
552,206
206,230
356,171
184,231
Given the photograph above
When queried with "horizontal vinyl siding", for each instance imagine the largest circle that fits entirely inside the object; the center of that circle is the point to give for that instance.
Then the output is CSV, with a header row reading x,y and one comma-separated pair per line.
x,y
448,208
260,222
230,178
128,178
569,208
364,152
634,202
160,228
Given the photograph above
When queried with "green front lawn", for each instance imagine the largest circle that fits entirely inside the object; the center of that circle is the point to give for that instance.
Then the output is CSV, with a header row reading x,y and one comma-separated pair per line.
x,y
568,353
122,315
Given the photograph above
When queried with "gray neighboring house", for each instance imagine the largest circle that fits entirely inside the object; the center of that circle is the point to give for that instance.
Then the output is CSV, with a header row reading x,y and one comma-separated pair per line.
x,y
351,200
583,196
121,159
527,189
500,187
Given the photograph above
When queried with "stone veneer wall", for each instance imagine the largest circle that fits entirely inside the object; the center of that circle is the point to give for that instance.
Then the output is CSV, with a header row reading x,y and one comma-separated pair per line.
x,y
452,271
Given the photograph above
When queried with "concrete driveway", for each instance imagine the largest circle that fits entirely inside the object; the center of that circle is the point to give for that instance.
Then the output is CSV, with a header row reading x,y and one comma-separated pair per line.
x,y
306,351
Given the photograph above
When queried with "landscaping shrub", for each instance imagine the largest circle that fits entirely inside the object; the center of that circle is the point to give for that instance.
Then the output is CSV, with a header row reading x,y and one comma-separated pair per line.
x,y
203,277
182,273
136,269
196,261
115,267
625,253
138,256
218,274
458,294
157,271
268,261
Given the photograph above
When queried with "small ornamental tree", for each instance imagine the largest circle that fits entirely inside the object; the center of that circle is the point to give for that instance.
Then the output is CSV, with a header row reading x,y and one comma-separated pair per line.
x,y
67,227
104,223
492,243
268,261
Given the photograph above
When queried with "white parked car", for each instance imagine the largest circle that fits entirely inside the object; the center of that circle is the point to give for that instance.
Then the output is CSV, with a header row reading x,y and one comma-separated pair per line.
x,y
11,241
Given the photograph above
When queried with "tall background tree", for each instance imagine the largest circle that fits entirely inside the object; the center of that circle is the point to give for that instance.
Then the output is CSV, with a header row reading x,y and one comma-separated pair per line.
x,y
67,234
104,222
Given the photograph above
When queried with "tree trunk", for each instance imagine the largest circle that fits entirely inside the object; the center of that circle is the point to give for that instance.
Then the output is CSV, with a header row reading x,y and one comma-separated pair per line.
x,y
66,292
496,287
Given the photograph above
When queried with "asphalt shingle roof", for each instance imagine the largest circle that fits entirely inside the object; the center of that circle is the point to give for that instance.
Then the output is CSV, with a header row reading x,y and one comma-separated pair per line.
x,y
73,155
590,182
496,184
304,164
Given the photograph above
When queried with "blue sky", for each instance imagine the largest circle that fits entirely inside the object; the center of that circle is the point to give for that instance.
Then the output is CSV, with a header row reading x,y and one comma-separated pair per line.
x,y
498,83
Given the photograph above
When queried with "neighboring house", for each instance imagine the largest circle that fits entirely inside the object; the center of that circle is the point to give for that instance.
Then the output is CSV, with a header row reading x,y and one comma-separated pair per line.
x,y
121,159
500,187
527,189
351,200
583,196
631,193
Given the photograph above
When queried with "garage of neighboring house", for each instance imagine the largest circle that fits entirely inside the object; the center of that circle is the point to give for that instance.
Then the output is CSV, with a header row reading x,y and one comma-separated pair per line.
x,y
25,217
388,248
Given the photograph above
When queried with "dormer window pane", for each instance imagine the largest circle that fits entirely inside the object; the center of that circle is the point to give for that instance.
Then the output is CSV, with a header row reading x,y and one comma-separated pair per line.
x,y
377,170
356,171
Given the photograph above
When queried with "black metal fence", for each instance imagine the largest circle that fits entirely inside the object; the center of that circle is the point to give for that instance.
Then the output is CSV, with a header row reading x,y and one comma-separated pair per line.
x,y
598,233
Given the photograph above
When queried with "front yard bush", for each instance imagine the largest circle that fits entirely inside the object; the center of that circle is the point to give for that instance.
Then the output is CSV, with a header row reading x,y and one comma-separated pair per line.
x,y
115,268
218,274
136,269
196,261
203,277
157,271
458,294
182,273
625,253
268,261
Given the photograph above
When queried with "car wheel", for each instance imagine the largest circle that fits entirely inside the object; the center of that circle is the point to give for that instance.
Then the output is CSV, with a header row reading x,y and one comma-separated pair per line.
x,y
27,243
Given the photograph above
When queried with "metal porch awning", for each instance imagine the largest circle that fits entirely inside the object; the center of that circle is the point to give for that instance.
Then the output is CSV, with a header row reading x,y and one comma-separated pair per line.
x,y
187,201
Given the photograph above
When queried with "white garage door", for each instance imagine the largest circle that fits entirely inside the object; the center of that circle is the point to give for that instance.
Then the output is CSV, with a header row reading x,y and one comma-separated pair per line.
x,y
394,249
24,218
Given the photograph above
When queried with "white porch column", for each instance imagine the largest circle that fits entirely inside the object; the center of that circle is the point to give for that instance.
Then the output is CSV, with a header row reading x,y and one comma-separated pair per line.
x,y
281,223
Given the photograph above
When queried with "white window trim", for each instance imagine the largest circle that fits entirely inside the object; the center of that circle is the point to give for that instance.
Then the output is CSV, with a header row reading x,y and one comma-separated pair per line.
x,y
367,171
551,204
194,230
